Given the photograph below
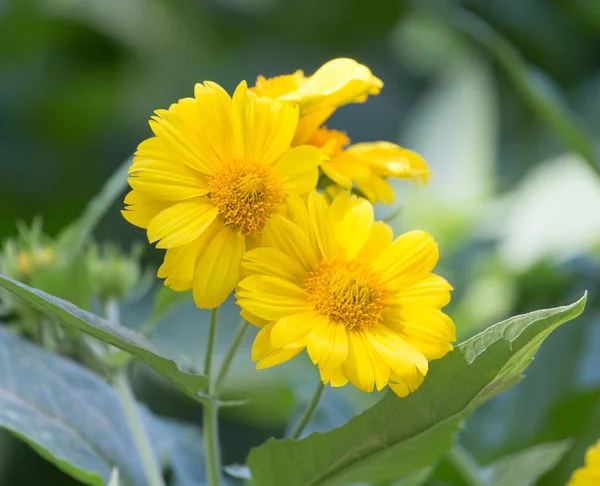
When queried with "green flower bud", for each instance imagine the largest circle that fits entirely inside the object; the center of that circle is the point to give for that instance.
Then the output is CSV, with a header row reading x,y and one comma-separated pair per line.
x,y
114,274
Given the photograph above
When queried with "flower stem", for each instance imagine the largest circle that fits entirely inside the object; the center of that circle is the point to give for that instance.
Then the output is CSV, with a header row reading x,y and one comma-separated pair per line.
x,y
309,411
130,409
237,340
211,444
210,422
464,463
210,345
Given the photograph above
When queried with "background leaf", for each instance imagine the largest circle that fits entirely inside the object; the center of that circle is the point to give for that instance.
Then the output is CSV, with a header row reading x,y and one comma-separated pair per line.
x,y
399,436
114,334
526,467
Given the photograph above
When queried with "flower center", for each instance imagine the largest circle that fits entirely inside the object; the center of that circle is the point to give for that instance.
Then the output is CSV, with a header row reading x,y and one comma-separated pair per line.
x,y
348,293
246,195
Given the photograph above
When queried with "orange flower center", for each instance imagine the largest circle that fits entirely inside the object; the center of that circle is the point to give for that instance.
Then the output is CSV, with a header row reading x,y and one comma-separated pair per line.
x,y
246,195
348,293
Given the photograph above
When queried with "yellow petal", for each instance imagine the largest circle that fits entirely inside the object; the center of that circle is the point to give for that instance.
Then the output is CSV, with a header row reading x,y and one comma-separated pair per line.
x,y
336,83
141,209
278,85
166,181
299,169
180,130
293,330
328,344
402,358
261,348
336,175
403,388
376,189
263,128
181,223
390,160
298,213
252,319
429,330
407,260
334,376
277,356
353,226
321,223
309,123
380,238
432,291
217,271
271,298
273,262
180,263
286,236
363,366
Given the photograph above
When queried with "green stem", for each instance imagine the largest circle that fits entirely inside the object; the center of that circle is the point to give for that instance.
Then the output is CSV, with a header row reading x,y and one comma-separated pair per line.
x,y
212,454
210,346
464,463
130,408
237,340
309,411
142,442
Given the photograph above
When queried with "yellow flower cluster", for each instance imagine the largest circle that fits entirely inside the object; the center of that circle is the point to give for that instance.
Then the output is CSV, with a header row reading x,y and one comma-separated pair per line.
x,y
227,186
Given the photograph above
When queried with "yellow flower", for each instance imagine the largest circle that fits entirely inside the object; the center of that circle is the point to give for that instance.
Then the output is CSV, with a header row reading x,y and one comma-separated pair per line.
x,y
336,83
209,182
367,166
589,475
30,261
331,280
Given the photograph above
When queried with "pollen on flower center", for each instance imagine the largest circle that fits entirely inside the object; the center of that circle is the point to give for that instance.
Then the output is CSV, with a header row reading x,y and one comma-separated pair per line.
x,y
246,195
348,293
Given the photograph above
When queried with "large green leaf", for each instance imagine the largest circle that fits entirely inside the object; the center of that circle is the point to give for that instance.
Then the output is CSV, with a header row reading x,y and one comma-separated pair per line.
x,y
121,337
70,416
526,467
399,436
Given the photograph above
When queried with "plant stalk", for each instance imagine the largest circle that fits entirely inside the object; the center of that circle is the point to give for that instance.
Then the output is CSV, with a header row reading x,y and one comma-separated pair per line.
x,y
231,352
308,413
210,346
210,422
131,410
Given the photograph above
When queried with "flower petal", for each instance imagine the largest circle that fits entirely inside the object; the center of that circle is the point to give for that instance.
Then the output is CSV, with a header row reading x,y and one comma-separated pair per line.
x,y
407,260
352,222
271,298
380,238
181,223
180,262
277,356
404,388
141,209
322,225
432,291
287,237
273,262
261,348
299,169
263,128
217,271
293,330
334,376
363,366
328,344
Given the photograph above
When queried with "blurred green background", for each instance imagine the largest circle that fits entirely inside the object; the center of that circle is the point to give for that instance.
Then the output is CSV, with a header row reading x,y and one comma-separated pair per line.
x,y
501,98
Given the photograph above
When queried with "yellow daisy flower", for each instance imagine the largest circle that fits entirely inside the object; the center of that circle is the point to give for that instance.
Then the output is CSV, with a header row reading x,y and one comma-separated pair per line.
x,y
208,184
367,166
331,280
589,475
336,83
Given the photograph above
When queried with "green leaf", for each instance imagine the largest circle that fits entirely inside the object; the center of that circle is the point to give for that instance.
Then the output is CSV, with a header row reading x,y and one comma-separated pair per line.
x,y
399,436
536,89
414,479
119,336
74,236
67,414
526,467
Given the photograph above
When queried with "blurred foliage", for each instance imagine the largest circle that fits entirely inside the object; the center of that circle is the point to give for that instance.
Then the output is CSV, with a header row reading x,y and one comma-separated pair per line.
x,y
502,99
